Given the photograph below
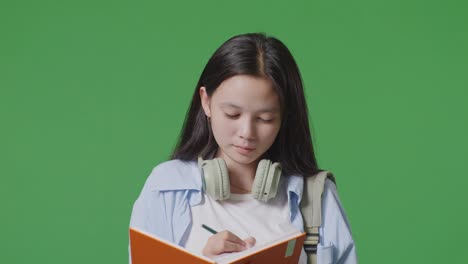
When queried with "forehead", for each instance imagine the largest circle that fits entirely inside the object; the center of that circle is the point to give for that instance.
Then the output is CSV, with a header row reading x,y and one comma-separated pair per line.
x,y
247,92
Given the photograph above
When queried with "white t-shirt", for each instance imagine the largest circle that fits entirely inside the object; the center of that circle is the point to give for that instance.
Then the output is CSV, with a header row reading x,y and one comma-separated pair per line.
x,y
244,216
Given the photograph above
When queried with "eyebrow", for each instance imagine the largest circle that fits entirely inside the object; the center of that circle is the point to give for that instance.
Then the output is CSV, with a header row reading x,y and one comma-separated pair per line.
x,y
270,109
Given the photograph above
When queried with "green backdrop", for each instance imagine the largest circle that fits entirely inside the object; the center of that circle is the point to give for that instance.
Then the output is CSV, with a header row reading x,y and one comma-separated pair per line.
x,y
93,95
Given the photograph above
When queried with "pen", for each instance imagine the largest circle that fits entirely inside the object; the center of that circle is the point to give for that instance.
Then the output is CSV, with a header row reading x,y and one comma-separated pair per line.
x,y
209,229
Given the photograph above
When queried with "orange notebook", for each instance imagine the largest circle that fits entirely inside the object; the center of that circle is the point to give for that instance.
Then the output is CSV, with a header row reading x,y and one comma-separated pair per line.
x,y
147,249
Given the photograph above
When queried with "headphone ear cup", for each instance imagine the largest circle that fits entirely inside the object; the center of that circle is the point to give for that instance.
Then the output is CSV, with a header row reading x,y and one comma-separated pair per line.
x,y
224,186
215,178
267,176
258,180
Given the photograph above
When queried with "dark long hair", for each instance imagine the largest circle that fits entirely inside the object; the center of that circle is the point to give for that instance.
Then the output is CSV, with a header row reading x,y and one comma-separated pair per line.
x,y
257,55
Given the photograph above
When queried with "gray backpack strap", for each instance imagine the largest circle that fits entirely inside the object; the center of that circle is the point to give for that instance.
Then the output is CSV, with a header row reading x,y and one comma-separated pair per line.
x,y
311,208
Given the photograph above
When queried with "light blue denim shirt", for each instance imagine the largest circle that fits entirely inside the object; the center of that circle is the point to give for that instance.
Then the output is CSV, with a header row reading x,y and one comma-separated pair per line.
x,y
163,209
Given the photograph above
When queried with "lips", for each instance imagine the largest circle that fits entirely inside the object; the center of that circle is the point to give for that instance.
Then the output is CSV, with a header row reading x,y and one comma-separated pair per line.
x,y
243,150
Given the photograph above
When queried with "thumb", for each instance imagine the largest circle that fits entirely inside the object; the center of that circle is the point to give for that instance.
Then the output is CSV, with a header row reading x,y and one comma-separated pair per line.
x,y
250,241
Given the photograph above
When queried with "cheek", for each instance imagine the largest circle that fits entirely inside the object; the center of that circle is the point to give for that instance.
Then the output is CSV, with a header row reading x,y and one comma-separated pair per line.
x,y
269,133
222,129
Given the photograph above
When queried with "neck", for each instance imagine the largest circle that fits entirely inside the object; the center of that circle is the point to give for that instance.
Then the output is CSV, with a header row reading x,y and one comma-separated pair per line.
x,y
241,176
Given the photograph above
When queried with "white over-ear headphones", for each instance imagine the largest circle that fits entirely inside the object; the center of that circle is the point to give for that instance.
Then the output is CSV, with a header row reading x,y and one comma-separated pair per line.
x,y
215,179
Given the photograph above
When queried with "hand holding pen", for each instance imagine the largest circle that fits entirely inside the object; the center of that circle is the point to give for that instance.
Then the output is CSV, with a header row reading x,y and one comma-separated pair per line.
x,y
225,241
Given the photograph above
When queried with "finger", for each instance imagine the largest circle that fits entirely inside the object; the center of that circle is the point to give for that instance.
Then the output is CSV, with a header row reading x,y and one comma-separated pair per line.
x,y
233,247
228,236
250,241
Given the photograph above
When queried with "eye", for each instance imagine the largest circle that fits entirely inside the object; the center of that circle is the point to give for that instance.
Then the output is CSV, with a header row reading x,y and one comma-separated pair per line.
x,y
231,116
265,120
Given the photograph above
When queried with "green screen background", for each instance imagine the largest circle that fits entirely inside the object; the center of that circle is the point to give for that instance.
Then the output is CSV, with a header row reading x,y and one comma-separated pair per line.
x,y
93,95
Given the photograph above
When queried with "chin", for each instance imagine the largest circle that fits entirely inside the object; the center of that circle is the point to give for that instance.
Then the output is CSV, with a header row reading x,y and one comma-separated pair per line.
x,y
235,156
239,158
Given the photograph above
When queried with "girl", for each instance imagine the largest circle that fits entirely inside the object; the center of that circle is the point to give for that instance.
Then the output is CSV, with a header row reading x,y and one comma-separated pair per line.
x,y
248,106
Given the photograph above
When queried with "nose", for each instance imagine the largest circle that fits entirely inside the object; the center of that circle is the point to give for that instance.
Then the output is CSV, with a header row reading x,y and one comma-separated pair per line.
x,y
247,129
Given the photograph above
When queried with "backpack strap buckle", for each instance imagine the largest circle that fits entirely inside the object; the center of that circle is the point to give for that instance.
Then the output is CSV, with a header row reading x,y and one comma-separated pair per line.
x,y
312,240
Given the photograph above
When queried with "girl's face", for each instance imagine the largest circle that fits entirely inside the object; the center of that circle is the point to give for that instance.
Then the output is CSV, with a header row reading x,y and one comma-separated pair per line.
x,y
245,117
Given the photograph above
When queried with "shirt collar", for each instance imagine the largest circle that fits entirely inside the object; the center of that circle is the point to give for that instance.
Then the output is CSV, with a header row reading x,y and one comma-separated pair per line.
x,y
295,186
